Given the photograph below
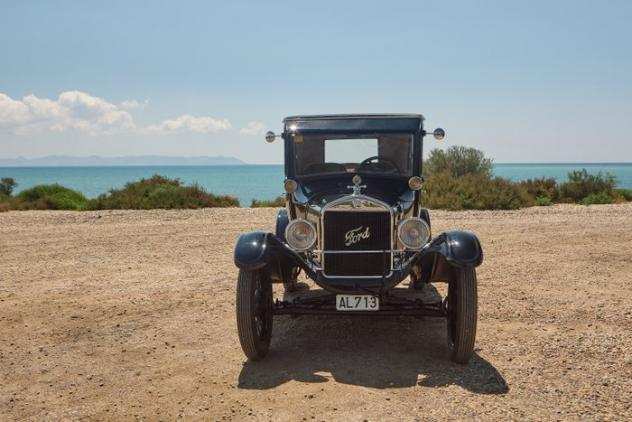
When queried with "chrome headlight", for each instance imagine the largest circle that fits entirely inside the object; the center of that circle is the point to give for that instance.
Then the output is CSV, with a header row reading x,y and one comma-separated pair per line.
x,y
300,235
413,232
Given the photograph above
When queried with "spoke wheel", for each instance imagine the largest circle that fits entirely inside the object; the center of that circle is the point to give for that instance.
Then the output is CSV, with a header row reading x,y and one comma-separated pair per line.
x,y
462,314
254,313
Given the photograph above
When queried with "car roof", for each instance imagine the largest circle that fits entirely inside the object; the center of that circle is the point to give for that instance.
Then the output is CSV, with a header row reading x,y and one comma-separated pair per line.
x,y
354,116
354,123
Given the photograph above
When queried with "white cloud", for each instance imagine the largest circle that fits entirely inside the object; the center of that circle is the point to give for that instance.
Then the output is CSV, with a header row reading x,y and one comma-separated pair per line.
x,y
188,123
133,104
253,128
82,112
73,110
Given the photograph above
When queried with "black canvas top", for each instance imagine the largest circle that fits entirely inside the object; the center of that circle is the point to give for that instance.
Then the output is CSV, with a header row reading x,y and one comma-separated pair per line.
x,y
355,123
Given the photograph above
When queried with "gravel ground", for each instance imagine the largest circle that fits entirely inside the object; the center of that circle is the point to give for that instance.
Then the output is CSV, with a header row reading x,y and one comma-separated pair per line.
x,y
130,314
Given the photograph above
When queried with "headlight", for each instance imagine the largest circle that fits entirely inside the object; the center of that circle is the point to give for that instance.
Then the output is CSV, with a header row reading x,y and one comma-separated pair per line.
x,y
290,185
300,235
413,233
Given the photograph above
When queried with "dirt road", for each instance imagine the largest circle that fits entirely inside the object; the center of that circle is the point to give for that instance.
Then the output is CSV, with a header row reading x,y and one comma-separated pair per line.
x,y
110,315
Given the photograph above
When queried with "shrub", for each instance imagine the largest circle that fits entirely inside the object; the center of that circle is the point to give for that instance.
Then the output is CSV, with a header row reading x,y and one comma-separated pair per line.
x,y
4,203
7,184
159,192
474,191
543,201
458,161
626,194
48,197
581,184
277,202
598,198
543,187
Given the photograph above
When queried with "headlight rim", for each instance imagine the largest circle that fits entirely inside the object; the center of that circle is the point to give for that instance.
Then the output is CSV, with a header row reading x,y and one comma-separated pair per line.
x,y
300,221
399,232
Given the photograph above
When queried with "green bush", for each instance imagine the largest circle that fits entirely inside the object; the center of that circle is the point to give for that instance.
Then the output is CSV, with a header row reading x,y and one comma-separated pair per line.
x,y
7,184
542,187
474,192
159,192
581,184
598,198
458,161
625,194
48,197
543,201
277,202
4,203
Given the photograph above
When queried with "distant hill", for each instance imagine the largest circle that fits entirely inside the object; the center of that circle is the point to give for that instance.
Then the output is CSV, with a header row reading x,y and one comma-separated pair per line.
x,y
139,160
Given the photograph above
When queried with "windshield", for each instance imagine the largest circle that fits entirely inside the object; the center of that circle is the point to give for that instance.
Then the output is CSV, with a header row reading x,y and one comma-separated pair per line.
x,y
388,154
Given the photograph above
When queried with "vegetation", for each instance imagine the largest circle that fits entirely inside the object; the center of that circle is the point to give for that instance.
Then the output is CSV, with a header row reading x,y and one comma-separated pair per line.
x,y
543,201
541,188
162,193
458,161
597,198
275,203
155,192
461,178
7,184
48,197
625,194
581,184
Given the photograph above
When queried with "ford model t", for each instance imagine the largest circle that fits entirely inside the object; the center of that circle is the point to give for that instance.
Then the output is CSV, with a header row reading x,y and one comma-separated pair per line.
x,y
355,225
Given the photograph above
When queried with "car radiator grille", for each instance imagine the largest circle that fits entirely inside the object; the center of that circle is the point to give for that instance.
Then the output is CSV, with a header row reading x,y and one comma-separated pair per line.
x,y
356,231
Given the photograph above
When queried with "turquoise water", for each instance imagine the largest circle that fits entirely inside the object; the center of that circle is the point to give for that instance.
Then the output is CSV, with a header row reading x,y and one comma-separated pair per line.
x,y
250,181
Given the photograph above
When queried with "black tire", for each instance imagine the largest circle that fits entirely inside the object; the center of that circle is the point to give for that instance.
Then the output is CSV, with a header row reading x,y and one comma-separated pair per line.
x,y
462,314
254,313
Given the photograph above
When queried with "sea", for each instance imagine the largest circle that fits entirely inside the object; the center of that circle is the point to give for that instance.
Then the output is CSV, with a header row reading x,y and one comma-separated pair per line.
x,y
248,182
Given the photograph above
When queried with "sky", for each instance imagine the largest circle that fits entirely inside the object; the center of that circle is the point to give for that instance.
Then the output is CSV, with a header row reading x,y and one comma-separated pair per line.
x,y
536,81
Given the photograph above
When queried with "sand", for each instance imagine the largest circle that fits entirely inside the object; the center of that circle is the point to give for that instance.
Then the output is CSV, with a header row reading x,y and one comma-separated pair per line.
x,y
130,314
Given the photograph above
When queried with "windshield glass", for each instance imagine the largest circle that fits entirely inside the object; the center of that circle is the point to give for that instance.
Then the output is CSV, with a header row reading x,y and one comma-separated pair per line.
x,y
388,154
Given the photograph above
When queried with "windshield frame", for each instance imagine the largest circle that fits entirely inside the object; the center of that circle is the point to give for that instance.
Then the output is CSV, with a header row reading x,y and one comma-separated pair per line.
x,y
414,151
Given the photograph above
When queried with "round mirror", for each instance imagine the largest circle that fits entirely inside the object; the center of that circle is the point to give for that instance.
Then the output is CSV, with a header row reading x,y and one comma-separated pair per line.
x,y
439,134
270,136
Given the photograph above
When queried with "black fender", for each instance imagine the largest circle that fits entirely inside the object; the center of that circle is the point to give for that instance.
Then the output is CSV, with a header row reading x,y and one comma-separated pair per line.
x,y
459,248
265,251
453,249
251,251
254,250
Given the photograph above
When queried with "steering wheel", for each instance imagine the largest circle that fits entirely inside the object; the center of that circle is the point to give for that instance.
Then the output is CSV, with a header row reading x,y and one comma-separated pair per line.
x,y
381,162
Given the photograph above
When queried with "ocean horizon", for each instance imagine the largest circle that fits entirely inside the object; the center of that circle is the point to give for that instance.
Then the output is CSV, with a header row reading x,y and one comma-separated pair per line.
x,y
253,181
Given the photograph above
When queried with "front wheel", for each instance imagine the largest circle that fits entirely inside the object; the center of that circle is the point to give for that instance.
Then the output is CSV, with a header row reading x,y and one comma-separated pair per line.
x,y
254,313
462,314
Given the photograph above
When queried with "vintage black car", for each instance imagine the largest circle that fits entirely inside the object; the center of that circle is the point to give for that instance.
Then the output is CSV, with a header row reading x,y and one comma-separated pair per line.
x,y
355,225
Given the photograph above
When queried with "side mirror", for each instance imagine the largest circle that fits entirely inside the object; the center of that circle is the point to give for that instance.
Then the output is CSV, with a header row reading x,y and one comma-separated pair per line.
x,y
270,136
439,134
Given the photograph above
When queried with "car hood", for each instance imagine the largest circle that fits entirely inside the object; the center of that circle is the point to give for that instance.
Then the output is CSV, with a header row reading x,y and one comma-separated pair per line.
x,y
318,193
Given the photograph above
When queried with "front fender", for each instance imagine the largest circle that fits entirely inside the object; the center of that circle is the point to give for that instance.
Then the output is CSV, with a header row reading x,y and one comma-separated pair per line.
x,y
453,249
459,248
251,251
261,250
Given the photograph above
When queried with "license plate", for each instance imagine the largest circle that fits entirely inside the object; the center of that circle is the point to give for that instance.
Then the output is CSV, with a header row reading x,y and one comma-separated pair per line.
x,y
357,303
